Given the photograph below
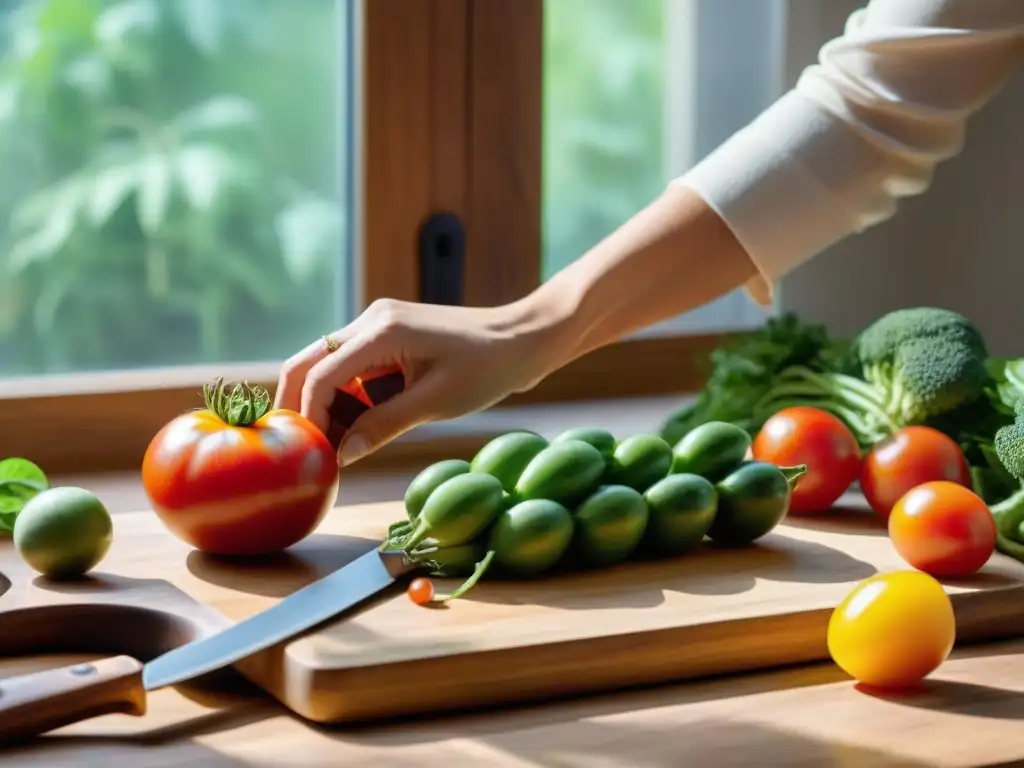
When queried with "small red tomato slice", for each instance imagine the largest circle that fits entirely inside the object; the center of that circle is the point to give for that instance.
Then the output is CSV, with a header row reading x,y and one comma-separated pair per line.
x,y
912,456
811,436
943,529
359,395
381,384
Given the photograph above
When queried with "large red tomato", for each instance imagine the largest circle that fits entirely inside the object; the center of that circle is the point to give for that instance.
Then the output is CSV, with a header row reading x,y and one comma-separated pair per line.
x,y
912,456
237,478
811,436
943,529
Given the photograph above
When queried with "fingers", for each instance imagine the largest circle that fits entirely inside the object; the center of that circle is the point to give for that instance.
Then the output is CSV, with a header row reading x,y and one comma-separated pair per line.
x,y
323,379
297,367
421,403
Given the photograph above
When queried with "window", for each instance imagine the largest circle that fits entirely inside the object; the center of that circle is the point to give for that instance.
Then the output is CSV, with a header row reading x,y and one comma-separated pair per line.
x,y
634,94
194,189
177,185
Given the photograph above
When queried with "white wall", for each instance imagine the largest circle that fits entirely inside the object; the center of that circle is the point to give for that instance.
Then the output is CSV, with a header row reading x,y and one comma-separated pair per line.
x,y
959,245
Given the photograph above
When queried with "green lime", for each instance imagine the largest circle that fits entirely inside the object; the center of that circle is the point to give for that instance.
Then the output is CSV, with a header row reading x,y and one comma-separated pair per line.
x,y
63,532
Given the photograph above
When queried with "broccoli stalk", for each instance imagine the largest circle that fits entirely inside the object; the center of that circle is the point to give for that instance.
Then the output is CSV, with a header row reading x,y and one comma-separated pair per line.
x,y
911,366
856,402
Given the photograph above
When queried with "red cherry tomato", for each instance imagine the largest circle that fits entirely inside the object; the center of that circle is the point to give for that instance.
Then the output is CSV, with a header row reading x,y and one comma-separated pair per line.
x,y
421,591
912,456
943,529
811,436
247,488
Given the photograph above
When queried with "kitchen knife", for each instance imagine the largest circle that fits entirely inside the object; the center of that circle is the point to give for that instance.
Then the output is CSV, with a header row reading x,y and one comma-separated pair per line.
x,y
42,701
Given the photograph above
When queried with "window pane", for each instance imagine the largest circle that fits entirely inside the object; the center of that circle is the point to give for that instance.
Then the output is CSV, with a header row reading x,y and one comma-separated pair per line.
x,y
175,185
634,94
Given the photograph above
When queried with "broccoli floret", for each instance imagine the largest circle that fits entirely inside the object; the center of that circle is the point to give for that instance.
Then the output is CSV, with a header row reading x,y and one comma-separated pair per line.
x,y
1009,444
1009,513
925,360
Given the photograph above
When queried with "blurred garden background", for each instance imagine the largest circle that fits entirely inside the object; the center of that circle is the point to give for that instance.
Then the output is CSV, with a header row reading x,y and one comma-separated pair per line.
x,y
175,184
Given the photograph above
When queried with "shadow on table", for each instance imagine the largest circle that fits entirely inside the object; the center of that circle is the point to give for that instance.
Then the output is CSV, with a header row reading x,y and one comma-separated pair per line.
x,y
850,520
280,574
952,696
707,570
604,731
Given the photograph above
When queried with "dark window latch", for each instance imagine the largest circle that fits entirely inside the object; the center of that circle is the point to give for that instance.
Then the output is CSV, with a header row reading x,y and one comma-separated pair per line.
x,y
442,259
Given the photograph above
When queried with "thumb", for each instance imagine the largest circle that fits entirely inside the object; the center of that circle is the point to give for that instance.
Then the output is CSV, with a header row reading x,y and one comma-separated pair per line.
x,y
383,423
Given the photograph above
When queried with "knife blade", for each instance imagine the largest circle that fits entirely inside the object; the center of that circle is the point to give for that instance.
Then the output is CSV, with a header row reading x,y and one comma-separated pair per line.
x,y
42,701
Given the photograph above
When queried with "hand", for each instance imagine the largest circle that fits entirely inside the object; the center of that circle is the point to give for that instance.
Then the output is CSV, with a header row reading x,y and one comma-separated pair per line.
x,y
456,360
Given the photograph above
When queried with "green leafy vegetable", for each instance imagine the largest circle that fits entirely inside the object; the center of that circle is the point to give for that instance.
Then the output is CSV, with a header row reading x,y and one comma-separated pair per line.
x,y
20,480
910,366
920,365
744,371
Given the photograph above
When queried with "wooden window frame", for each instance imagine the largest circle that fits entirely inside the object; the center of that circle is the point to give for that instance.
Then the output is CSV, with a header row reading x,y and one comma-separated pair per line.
x,y
450,108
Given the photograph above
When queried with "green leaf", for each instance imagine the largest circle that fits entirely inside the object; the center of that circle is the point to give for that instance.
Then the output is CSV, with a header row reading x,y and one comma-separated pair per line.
x,y
204,23
262,285
57,289
204,170
11,505
124,19
111,187
217,113
7,520
56,210
20,480
21,477
154,192
9,97
310,235
90,74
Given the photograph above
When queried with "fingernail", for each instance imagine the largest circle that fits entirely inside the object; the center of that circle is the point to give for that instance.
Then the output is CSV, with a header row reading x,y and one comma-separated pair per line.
x,y
353,449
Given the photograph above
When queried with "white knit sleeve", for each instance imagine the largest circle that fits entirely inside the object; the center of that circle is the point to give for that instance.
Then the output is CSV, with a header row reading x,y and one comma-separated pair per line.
x,y
886,102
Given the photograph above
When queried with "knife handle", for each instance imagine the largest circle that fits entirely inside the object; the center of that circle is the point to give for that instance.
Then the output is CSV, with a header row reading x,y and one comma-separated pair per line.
x,y
42,701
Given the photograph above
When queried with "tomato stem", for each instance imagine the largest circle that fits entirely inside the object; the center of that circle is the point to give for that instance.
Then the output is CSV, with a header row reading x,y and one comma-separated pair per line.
x,y
469,583
793,474
240,405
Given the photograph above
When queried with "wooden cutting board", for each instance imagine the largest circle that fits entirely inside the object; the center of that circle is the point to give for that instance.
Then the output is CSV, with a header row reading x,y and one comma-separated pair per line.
x,y
708,613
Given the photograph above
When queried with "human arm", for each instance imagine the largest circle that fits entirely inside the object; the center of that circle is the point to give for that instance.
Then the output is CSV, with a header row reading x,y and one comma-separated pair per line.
x,y
888,101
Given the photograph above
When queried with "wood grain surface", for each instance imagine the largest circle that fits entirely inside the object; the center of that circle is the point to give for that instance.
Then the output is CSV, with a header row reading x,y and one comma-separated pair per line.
x,y
967,714
710,613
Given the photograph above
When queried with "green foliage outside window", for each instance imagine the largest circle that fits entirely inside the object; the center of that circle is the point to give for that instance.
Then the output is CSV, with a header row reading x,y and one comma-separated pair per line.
x,y
172,171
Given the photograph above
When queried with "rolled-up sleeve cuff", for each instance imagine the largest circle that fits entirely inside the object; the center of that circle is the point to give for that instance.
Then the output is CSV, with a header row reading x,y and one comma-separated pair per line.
x,y
761,184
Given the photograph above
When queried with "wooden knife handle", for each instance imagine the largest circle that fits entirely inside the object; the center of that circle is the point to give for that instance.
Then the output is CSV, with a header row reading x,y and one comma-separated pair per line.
x,y
42,701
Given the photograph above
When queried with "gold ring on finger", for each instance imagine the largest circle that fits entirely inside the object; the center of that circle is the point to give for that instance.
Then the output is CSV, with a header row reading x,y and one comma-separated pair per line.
x,y
332,345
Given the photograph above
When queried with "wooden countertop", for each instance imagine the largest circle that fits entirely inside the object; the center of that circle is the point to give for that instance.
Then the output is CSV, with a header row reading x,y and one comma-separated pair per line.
x,y
968,714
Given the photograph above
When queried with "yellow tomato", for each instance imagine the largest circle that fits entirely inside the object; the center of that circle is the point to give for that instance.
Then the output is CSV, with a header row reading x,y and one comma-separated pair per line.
x,y
893,629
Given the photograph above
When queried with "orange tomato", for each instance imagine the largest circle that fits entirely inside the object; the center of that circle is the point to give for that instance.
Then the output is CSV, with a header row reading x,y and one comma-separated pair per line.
x,y
893,629
912,456
421,591
943,529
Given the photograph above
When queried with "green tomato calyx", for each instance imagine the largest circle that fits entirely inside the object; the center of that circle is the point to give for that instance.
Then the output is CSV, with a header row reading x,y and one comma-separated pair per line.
x,y
238,405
